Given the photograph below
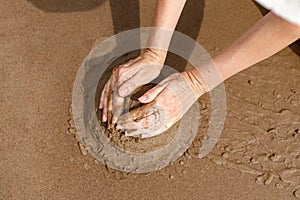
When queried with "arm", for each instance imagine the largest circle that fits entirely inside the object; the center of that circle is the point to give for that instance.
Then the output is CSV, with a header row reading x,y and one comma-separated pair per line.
x,y
166,16
268,36
143,69
173,96
167,13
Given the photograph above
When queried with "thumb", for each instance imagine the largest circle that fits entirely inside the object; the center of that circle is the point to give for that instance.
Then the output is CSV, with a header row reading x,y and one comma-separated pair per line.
x,y
151,94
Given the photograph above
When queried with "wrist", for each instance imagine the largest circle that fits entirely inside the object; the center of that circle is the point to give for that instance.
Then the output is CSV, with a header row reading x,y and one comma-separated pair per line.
x,y
196,82
156,55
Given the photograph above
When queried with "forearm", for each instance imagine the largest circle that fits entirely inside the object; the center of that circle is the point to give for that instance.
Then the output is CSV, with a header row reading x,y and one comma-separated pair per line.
x,y
268,36
167,13
166,16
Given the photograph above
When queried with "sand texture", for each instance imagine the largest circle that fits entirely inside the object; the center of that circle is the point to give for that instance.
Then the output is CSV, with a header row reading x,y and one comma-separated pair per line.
x,y
43,44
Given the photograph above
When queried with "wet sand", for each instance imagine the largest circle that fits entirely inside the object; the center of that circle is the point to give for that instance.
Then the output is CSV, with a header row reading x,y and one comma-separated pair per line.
x,y
43,44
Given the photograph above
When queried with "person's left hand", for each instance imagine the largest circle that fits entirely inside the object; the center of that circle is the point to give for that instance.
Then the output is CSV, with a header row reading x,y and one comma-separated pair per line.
x,y
165,104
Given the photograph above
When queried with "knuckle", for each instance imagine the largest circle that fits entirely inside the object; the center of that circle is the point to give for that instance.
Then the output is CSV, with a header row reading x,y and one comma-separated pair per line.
x,y
129,84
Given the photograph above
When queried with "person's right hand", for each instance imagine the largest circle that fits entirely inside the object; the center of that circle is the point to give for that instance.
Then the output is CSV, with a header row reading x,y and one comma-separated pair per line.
x,y
125,79
163,105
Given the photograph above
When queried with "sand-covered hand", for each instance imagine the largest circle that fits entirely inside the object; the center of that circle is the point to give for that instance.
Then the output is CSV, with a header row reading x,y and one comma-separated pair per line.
x,y
165,104
125,79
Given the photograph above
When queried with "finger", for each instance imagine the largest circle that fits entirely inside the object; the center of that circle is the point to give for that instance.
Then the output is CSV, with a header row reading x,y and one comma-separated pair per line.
x,y
153,133
134,75
117,107
117,101
134,115
108,87
151,94
114,78
104,112
127,86
136,80
103,94
109,111
148,135
127,103
127,70
101,103
110,98
133,133
141,120
127,121
105,101
139,125
130,126
143,129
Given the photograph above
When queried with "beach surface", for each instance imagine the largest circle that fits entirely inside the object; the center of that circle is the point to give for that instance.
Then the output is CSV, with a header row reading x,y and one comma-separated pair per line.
x,y
44,42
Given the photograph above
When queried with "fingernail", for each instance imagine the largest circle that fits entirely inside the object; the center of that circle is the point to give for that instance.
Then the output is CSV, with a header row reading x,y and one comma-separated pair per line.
x,y
143,98
104,118
123,92
100,106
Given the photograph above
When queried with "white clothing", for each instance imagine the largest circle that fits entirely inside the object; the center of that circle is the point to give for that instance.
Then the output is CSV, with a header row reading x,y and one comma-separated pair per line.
x,y
287,9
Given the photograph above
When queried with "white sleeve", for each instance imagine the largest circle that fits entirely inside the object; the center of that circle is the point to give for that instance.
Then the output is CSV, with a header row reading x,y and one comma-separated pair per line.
x,y
287,9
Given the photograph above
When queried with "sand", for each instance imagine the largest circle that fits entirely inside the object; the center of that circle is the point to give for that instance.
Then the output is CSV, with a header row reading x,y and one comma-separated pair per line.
x,y
44,43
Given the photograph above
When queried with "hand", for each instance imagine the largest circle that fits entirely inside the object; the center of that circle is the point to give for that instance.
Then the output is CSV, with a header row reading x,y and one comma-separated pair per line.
x,y
125,79
166,104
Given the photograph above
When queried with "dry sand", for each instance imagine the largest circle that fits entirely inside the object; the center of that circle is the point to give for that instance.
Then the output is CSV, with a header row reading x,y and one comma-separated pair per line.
x,y
43,43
